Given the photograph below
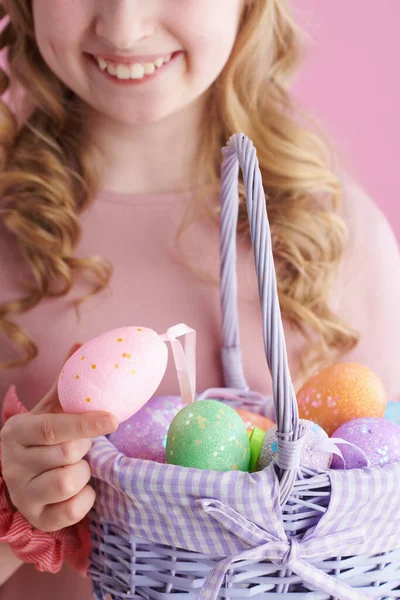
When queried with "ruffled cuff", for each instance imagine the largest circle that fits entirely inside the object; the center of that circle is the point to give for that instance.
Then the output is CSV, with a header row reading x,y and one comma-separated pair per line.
x,y
47,551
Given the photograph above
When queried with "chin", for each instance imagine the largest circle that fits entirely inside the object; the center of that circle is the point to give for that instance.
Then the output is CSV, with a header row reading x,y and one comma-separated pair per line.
x,y
131,115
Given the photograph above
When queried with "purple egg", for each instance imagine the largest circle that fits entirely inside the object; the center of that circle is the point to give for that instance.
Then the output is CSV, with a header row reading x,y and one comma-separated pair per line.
x,y
144,435
378,438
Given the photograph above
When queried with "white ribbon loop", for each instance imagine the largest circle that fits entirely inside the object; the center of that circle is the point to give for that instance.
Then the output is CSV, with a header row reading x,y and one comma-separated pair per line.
x,y
287,553
330,445
184,358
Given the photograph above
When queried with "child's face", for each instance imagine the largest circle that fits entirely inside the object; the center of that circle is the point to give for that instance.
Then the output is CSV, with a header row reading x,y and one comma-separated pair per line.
x,y
131,38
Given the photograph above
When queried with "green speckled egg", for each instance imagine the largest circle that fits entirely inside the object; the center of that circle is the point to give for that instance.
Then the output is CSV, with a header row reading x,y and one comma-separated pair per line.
x,y
207,434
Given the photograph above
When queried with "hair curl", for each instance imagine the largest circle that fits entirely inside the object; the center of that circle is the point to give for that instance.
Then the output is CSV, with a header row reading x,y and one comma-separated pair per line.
x,y
48,175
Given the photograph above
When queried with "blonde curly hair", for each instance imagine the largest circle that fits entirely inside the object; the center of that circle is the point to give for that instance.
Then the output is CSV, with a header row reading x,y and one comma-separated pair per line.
x,y
48,175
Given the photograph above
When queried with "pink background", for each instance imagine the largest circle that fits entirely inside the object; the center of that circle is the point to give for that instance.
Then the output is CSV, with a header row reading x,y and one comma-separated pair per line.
x,y
351,81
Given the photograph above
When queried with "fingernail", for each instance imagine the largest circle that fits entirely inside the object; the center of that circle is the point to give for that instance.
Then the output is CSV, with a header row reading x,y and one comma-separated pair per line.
x,y
108,424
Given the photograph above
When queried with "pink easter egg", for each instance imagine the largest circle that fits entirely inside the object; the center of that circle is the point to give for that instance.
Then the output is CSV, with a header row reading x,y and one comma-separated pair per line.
x,y
118,372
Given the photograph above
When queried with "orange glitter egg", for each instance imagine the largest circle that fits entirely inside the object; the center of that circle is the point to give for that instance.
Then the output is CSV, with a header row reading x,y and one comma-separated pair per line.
x,y
340,393
252,420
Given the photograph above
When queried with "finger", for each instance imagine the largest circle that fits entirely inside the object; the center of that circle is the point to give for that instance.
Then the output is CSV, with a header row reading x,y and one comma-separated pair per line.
x,y
39,459
52,429
59,485
65,514
51,403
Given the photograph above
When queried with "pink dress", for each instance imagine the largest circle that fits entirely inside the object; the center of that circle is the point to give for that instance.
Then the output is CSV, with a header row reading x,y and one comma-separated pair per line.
x,y
150,287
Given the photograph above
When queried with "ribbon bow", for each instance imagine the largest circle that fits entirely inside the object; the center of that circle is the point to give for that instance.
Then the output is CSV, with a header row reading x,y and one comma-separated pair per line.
x,y
288,553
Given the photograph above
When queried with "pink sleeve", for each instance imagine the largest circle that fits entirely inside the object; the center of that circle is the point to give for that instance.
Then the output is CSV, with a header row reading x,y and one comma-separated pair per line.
x,y
11,405
47,551
368,294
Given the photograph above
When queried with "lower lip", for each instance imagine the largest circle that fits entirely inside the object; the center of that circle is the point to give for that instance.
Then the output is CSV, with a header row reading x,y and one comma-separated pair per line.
x,y
125,82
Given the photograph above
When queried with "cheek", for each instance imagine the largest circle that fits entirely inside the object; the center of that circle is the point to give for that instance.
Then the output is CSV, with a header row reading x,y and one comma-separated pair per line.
x,y
57,27
49,19
208,38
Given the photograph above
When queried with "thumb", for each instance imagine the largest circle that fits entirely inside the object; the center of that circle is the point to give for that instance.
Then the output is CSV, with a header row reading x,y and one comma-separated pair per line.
x,y
51,403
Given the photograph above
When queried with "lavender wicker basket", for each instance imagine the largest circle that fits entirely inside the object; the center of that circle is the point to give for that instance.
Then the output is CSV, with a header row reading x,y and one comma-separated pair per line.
x,y
161,531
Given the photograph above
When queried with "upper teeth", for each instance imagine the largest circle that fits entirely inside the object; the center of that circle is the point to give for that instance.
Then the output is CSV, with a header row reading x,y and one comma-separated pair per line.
x,y
134,71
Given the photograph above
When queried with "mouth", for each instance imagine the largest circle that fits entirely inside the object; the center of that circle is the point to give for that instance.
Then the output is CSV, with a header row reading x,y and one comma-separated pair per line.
x,y
135,70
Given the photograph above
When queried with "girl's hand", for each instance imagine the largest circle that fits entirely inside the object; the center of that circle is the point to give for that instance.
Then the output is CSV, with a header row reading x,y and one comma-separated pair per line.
x,y
42,461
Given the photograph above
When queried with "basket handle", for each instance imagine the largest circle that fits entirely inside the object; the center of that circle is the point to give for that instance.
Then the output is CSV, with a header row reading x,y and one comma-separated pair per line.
x,y
240,152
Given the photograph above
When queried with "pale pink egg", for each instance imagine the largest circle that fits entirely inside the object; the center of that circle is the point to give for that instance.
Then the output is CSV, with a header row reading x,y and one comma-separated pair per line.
x,y
118,371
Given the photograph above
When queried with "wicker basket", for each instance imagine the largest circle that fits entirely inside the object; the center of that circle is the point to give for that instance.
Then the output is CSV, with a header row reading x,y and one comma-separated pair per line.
x,y
285,532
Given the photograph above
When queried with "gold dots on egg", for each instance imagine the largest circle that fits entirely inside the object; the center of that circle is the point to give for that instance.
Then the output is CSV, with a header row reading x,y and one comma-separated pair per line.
x,y
87,400
76,377
93,367
126,355
201,421
116,366
83,357
133,372
119,339
139,329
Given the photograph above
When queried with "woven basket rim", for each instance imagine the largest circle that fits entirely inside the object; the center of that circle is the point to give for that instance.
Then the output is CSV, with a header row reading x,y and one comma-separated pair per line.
x,y
114,451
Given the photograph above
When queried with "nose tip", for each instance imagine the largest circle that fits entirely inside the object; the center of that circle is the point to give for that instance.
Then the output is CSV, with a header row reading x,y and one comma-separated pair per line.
x,y
122,31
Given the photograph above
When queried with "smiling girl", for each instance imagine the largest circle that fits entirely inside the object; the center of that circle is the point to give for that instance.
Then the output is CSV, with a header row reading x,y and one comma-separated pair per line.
x,y
109,194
